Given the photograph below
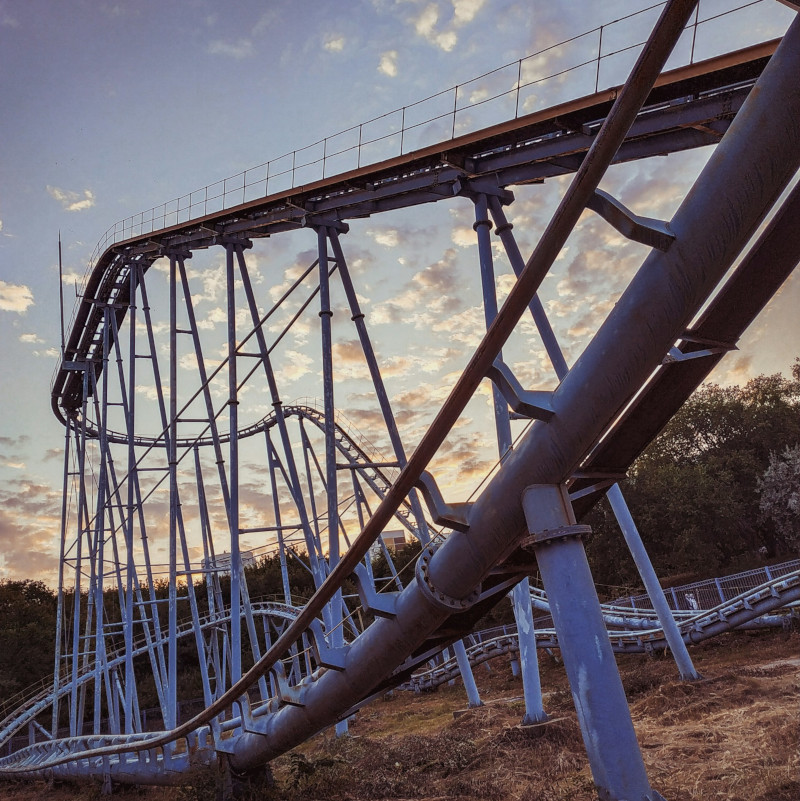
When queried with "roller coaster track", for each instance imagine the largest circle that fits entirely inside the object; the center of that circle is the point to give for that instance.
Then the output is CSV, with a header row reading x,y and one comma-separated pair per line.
x,y
637,630
696,626
663,336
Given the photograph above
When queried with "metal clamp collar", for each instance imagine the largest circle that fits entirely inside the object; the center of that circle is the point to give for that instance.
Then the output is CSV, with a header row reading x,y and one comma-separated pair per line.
x,y
437,597
551,535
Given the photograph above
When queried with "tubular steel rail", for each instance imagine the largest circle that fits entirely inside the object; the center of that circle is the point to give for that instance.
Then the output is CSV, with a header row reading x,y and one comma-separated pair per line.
x,y
174,479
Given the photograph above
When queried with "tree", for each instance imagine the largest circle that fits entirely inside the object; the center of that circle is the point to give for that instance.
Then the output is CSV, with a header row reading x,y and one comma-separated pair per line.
x,y
27,628
780,495
694,491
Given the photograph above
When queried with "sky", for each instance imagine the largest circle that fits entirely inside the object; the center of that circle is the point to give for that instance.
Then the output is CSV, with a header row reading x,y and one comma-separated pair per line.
x,y
111,108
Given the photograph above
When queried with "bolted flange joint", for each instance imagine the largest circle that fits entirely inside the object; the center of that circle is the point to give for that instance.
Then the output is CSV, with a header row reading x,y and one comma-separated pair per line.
x,y
437,597
549,536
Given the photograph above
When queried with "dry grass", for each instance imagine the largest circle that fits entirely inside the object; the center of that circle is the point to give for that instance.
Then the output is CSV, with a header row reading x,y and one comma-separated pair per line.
x,y
733,735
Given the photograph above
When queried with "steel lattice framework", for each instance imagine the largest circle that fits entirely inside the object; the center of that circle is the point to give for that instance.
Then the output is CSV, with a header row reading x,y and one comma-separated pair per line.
x,y
160,492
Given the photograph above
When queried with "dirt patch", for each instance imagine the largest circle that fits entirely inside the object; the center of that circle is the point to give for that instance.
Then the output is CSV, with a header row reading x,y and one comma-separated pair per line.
x,y
731,735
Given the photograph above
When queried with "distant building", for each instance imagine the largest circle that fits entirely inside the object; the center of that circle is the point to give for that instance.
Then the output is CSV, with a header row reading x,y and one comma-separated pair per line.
x,y
222,561
391,539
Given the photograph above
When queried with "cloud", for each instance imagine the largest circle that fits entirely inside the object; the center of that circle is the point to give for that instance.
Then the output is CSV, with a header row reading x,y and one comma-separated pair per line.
x,y
434,24
447,40
425,23
463,236
49,353
432,293
30,519
464,11
388,63
268,19
15,297
298,365
334,44
243,48
71,278
292,273
386,237
466,328
32,339
6,20
114,11
72,201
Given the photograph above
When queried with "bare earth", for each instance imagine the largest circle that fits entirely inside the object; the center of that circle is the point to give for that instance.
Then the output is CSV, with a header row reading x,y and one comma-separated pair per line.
x,y
733,735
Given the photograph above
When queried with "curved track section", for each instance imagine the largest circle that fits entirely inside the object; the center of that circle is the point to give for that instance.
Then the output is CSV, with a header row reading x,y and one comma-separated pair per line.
x,y
635,630
195,483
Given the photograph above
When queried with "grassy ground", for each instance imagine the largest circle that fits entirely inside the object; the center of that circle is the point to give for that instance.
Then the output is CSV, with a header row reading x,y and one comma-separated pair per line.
x,y
733,735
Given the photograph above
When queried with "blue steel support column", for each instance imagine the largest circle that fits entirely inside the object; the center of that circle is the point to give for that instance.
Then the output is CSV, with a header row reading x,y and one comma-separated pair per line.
x,y
521,594
204,384
504,230
377,378
652,584
293,480
325,315
618,504
75,719
103,521
528,654
276,508
61,628
460,653
233,417
603,714
172,647
130,568
160,675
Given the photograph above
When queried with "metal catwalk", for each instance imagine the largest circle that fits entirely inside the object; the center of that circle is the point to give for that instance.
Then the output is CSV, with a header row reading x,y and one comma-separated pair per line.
x,y
184,465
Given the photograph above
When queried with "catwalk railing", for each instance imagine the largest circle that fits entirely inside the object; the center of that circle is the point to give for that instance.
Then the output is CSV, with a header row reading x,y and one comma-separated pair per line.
x,y
593,60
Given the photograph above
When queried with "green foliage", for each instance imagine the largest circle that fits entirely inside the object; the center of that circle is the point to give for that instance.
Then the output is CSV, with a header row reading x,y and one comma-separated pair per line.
x,y
780,495
27,630
694,492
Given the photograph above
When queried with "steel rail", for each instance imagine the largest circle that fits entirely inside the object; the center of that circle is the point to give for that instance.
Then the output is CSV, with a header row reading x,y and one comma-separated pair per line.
x,y
758,277
696,627
34,703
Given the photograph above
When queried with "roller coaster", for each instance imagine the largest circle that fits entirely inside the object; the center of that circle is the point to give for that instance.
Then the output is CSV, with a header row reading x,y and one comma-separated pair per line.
x,y
177,478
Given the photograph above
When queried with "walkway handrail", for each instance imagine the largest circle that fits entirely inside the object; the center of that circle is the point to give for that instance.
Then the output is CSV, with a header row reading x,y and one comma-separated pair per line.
x,y
292,169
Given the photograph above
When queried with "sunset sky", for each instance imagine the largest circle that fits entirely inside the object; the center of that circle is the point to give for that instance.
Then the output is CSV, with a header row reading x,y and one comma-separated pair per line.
x,y
111,108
